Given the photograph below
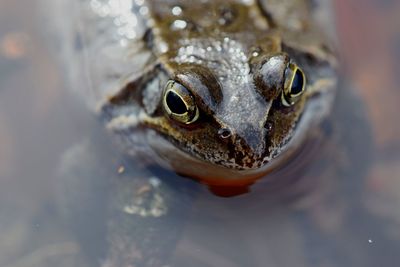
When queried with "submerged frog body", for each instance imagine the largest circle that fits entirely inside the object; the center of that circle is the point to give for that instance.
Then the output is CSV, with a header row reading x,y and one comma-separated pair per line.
x,y
223,91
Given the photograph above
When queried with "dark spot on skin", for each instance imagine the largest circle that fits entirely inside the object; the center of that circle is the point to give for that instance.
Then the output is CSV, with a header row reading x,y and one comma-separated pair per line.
x,y
191,26
231,150
239,158
250,163
241,154
227,15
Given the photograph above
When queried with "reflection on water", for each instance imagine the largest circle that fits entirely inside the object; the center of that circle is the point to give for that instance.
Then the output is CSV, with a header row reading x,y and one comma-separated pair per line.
x,y
333,216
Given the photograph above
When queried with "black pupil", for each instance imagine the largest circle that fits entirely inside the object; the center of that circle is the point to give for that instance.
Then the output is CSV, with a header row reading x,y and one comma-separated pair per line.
x,y
175,103
297,85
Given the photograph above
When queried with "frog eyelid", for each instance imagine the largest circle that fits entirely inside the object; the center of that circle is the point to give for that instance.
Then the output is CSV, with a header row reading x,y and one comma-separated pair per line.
x,y
207,91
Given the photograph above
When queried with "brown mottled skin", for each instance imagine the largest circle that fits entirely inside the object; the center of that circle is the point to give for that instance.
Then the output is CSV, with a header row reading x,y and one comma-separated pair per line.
x,y
233,58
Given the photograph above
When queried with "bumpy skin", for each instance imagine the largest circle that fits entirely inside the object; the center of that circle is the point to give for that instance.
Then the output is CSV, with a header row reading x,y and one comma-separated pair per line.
x,y
231,55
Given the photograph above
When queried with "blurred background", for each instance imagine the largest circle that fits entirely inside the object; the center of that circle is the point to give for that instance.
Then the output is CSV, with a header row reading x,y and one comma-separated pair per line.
x,y
39,120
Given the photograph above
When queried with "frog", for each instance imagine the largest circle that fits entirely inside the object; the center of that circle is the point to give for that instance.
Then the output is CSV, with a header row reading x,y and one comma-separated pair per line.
x,y
224,92
224,104
221,91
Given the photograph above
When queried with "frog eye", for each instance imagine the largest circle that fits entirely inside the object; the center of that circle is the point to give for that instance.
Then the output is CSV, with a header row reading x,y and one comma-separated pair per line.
x,y
179,103
295,84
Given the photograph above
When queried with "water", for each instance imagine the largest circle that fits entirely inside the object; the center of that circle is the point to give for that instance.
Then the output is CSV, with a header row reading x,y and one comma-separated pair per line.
x,y
346,216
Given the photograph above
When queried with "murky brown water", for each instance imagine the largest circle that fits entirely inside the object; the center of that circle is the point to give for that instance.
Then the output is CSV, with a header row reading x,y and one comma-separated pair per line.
x,y
350,222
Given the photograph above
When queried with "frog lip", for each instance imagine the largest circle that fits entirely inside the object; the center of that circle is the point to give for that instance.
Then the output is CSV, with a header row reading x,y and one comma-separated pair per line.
x,y
172,157
185,164
238,161
239,158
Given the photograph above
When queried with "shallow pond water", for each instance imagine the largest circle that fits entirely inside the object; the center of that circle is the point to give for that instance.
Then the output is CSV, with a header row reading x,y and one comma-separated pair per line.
x,y
327,217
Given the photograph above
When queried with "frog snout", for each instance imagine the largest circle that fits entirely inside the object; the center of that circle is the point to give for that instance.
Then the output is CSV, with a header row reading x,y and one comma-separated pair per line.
x,y
248,142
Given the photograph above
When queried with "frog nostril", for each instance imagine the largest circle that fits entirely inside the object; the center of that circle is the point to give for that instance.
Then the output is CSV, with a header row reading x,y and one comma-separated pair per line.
x,y
224,133
269,126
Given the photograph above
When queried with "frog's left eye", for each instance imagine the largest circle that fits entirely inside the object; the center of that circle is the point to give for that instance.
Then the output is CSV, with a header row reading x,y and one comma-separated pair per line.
x,y
179,103
295,84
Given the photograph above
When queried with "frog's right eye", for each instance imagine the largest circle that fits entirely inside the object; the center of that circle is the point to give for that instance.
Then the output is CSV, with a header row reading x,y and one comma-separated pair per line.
x,y
179,103
295,85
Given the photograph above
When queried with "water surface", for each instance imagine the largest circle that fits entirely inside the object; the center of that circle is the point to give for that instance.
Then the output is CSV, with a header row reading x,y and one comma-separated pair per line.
x,y
331,217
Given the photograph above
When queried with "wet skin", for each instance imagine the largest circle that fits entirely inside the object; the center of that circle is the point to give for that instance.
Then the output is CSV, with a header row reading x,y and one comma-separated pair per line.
x,y
245,86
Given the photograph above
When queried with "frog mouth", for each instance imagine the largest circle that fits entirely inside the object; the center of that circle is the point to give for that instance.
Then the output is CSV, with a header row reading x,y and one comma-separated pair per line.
x,y
188,164
173,153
